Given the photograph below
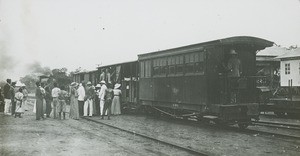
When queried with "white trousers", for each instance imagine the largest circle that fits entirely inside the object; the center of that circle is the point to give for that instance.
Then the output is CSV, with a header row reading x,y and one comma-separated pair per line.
x,y
101,106
7,106
88,104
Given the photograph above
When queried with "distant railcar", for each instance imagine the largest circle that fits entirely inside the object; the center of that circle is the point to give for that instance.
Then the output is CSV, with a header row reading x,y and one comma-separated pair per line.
x,y
192,80
85,76
127,75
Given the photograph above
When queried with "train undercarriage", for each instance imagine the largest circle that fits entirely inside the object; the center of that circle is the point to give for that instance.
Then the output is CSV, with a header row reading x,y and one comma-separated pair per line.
x,y
240,115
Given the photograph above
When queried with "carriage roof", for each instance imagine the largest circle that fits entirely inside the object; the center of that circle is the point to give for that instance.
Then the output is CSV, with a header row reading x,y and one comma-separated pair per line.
x,y
253,41
105,66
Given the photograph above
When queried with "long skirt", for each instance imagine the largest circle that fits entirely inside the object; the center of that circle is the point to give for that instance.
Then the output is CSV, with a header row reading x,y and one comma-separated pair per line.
x,y
39,109
116,106
74,112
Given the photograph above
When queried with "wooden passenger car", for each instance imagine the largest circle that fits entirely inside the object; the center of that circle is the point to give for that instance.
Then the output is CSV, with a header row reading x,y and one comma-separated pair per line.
x,y
85,76
125,74
191,80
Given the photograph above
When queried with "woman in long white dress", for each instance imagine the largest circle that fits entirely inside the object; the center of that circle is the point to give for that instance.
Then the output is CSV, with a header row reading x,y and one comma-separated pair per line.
x,y
74,112
116,102
19,99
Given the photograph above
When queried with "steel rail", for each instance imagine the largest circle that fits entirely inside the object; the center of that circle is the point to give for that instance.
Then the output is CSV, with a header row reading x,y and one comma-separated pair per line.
x,y
272,134
189,150
277,125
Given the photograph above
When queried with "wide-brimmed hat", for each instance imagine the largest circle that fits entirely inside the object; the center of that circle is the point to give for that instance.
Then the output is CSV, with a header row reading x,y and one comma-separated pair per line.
x,y
89,83
19,84
117,85
232,52
102,82
74,84
98,85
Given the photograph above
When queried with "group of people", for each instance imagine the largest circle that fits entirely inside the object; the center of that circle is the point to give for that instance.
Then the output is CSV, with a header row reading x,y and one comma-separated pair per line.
x,y
101,100
85,100
15,98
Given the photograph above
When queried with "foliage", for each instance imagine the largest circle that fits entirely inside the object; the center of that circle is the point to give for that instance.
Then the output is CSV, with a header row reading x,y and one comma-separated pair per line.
x,y
61,76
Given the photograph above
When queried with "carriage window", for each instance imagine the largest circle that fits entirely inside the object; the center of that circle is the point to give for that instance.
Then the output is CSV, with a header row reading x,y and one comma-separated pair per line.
x,y
287,69
201,57
196,57
155,67
160,66
171,64
194,62
179,69
172,69
163,64
189,68
148,68
199,67
143,69
179,64
156,70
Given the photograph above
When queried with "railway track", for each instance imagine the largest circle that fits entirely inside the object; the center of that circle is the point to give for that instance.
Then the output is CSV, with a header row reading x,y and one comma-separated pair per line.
x,y
187,149
277,125
249,130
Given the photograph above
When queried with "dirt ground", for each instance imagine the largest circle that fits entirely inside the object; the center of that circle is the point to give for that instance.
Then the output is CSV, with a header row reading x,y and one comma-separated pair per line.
x,y
215,141
27,136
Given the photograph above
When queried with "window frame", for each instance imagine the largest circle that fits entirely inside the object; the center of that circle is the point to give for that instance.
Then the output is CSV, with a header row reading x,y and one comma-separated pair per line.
x,y
287,68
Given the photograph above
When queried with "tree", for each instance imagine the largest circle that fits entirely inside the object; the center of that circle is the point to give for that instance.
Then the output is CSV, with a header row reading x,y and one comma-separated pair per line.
x,y
61,76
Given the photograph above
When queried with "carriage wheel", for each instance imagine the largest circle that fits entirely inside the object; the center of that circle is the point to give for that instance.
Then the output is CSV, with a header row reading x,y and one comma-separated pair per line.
x,y
280,114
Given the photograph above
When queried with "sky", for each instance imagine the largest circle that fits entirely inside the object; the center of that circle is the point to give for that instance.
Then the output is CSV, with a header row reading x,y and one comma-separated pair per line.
x,y
88,33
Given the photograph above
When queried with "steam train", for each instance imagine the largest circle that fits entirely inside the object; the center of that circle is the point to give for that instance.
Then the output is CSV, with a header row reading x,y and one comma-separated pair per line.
x,y
189,81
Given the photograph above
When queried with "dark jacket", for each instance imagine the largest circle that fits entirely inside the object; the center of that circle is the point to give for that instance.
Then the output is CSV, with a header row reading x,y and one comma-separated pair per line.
x,y
6,91
109,94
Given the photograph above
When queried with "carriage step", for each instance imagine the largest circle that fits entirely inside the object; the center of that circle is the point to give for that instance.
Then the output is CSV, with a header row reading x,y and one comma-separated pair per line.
x,y
210,117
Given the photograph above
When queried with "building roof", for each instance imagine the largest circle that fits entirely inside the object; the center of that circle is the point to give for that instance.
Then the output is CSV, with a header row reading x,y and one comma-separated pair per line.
x,y
292,54
273,51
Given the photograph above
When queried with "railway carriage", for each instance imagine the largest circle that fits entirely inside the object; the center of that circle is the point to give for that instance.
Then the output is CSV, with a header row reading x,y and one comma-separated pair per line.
x,y
192,80
126,74
85,76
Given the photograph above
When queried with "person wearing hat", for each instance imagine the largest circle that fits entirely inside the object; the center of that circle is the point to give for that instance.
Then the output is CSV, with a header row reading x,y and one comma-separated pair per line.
x,y
55,93
80,99
12,96
1,101
48,99
62,105
97,100
74,112
108,100
25,96
39,102
102,96
7,96
19,102
116,103
234,67
88,104
234,64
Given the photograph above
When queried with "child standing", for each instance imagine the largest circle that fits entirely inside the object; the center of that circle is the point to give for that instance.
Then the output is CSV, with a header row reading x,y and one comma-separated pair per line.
x,y
62,97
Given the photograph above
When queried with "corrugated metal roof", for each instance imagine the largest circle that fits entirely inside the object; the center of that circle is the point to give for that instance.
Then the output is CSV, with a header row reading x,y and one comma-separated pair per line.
x,y
272,51
295,53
